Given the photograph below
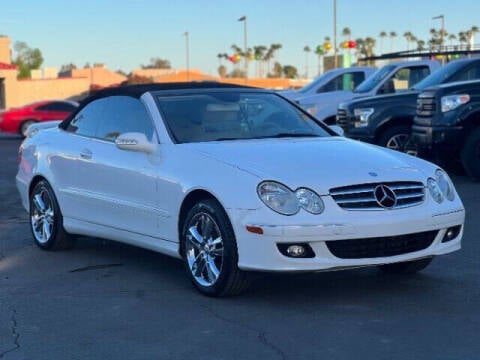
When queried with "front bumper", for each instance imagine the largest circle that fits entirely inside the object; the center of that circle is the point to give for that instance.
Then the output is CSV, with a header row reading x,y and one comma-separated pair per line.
x,y
432,138
260,252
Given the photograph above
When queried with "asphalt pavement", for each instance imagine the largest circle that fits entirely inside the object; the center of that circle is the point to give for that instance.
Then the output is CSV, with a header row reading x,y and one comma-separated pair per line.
x,y
105,300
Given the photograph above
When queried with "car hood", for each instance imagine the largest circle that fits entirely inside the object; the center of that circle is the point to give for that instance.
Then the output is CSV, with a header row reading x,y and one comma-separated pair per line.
x,y
390,98
326,98
320,163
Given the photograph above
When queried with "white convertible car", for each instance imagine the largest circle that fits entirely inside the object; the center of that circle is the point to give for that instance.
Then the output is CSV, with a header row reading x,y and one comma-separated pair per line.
x,y
231,180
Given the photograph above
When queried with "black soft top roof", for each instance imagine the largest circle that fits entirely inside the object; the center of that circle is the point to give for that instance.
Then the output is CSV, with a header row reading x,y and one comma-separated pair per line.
x,y
138,90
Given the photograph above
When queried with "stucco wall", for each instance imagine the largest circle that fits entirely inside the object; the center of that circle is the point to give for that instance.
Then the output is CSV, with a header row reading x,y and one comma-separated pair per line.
x,y
21,92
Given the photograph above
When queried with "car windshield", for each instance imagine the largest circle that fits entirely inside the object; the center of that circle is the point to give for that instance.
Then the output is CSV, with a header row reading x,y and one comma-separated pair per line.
x,y
219,116
439,76
370,83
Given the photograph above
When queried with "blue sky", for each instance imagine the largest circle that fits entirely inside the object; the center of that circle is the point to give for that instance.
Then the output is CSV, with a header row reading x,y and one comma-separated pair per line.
x,y
124,34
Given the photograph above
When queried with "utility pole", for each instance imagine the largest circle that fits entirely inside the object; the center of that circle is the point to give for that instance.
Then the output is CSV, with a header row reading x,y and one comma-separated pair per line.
x,y
245,59
335,32
187,53
442,32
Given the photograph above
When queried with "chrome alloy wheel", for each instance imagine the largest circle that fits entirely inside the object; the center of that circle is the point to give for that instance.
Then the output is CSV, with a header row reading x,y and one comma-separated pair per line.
x,y
204,249
398,142
403,143
42,215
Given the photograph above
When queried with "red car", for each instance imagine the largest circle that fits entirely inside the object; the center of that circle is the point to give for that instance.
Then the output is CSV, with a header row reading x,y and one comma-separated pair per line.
x,y
18,120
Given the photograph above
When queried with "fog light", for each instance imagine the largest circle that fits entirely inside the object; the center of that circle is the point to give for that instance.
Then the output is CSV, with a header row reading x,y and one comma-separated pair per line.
x,y
451,233
299,250
296,250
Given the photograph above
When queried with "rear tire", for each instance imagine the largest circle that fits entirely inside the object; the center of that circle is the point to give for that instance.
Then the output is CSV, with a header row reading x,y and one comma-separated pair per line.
x,y
46,220
24,127
209,251
406,267
470,154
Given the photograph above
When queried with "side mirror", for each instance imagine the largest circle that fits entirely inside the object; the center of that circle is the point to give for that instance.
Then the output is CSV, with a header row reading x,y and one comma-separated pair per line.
x,y
134,141
337,129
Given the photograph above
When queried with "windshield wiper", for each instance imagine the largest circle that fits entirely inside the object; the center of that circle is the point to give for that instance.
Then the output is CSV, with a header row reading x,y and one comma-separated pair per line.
x,y
280,135
286,134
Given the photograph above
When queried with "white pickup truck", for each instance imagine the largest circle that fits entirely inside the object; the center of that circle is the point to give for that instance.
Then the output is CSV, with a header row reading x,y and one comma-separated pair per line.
x,y
333,80
391,78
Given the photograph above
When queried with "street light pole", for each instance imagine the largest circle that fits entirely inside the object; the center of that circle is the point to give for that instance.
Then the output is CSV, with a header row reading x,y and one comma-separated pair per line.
x,y
442,33
335,32
245,60
187,53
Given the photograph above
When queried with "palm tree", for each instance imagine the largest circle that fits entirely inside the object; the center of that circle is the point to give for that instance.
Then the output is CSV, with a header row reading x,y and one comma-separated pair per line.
x,y
473,30
346,32
451,38
369,46
408,36
420,45
382,35
392,36
361,50
462,38
319,51
270,54
259,53
307,49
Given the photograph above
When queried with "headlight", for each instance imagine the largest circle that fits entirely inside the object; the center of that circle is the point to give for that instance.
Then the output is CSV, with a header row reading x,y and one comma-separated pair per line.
x,y
362,116
435,191
278,197
281,199
445,184
309,201
451,102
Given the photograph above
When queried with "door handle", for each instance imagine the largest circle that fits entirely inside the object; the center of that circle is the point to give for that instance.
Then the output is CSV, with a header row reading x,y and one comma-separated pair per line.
x,y
86,154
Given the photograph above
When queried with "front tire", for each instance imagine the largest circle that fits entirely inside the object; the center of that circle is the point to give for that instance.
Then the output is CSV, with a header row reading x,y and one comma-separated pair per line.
x,y
406,267
210,251
46,221
470,154
398,138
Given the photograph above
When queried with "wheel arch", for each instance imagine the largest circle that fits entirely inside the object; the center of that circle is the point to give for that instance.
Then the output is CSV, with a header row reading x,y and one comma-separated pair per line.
x,y
188,202
471,121
391,122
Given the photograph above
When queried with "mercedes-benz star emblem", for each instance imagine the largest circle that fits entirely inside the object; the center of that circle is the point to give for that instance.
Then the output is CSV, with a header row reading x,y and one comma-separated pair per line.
x,y
385,196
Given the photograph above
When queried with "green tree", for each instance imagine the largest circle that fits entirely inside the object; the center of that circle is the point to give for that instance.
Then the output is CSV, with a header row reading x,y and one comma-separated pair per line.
x,y
452,38
290,71
157,63
237,73
26,59
67,67
347,33
222,71
420,45
277,70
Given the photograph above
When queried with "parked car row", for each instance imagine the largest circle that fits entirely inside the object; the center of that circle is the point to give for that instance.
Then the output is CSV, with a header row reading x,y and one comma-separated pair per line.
x,y
442,109
381,109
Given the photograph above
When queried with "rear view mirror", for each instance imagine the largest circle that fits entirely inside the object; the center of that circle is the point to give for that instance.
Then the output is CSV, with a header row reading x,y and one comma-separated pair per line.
x,y
134,141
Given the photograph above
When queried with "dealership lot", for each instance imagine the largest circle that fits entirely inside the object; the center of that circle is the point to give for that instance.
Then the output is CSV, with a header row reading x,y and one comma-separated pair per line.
x,y
105,300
